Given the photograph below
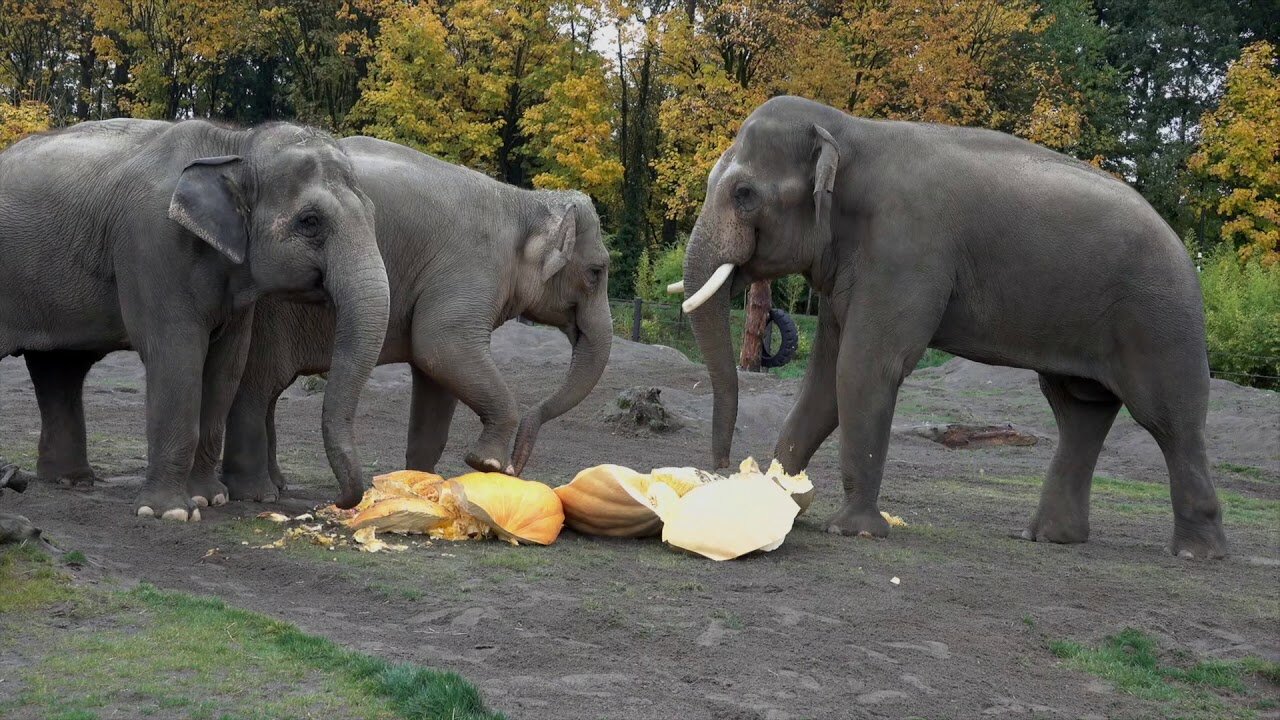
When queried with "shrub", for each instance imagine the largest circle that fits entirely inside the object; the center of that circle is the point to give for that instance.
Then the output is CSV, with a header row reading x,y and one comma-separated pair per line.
x,y
1242,318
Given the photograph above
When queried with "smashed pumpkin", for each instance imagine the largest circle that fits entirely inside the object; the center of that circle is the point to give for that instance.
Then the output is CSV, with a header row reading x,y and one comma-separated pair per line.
x,y
729,518
798,485
402,515
518,511
616,501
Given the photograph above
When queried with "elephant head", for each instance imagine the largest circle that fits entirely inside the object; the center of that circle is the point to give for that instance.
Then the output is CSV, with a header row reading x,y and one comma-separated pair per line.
x,y
288,216
565,271
767,214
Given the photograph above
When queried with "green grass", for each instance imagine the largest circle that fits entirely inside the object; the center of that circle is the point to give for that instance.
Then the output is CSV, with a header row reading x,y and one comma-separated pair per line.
x,y
1248,471
149,652
1133,662
1131,497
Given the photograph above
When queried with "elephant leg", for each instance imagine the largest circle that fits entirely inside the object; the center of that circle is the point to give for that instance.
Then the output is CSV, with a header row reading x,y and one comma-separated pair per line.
x,y
273,459
884,334
815,414
1171,402
58,377
1084,411
249,453
430,415
222,370
174,360
459,360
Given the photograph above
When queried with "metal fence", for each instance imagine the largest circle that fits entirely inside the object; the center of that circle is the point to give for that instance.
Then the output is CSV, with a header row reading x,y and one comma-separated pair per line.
x,y
666,324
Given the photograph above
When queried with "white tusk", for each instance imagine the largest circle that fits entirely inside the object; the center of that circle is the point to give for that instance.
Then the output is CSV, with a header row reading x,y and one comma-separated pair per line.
x,y
675,288
705,292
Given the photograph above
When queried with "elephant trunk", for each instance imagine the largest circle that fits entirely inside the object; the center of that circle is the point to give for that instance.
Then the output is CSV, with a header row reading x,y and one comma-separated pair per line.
x,y
710,321
357,283
592,337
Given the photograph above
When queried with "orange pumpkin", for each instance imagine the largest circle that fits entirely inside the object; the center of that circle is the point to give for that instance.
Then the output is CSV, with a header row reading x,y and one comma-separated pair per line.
x,y
598,502
518,511
402,515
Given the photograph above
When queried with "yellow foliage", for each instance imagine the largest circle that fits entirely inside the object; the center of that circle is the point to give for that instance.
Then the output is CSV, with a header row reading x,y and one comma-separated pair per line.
x,y
572,135
18,121
1240,149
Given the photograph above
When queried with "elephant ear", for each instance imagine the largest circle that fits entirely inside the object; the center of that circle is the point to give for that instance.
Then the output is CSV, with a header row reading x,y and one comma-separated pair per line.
x,y
210,203
554,245
824,175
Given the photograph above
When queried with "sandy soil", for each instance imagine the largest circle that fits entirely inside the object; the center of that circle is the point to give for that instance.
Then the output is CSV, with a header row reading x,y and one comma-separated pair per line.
x,y
592,628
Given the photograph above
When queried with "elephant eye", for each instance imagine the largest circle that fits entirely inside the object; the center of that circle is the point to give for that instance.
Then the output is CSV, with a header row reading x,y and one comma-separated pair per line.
x,y
595,274
308,223
746,198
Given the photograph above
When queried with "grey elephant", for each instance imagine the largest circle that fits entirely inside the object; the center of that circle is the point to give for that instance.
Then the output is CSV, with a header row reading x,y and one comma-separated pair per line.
x,y
160,237
969,241
464,253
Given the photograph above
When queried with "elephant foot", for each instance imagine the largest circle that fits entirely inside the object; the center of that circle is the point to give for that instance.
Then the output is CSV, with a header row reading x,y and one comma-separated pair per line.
x,y
859,521
261,489
1199,541
1063,528
167,503
81,477
489,464
207,492
16,528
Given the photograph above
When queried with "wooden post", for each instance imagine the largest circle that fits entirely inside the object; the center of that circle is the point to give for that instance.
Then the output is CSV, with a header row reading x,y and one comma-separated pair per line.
x,y
759,300
637,315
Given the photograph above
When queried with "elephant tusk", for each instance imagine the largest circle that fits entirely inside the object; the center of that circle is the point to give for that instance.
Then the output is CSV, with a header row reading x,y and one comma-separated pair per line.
x,y
675,288
705,292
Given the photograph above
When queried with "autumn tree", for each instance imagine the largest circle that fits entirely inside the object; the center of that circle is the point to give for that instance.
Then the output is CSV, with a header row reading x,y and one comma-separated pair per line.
x,y
1239,152
18,121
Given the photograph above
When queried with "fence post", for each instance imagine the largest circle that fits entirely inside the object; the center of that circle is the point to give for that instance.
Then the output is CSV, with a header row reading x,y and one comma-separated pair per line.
x,y
637,314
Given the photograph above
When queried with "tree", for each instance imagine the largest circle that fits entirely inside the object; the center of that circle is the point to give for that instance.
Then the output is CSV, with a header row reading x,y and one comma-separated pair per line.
x,y
18,121
1240,152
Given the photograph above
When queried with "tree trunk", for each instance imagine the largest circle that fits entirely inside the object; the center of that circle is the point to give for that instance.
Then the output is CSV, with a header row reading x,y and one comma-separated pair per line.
x,y
759,300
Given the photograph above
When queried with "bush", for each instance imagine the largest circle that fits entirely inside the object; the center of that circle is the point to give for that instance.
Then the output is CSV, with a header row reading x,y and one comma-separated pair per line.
x,y
1242,318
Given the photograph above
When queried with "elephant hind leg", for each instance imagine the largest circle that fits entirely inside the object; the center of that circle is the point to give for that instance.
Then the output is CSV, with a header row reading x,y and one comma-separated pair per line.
x,y
1084,411
58,377
1171,403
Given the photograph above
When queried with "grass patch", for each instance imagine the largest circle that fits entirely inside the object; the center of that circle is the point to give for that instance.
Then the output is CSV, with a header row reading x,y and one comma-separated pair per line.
x,y
1131,661
1131,497
29,581
1248,471
166,654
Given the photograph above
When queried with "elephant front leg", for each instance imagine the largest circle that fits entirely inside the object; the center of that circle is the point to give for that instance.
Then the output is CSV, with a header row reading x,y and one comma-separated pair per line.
x,y
175,368
463,366
222,370
430,415
815,414
58,377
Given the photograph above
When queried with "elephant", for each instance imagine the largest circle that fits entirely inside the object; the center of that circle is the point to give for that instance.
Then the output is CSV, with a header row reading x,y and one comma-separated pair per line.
x,y
973,242
464,253
160,237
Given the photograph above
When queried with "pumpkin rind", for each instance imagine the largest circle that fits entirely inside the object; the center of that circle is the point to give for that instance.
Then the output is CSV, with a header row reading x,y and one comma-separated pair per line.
x,y
727,519
596,502
402,515
518,511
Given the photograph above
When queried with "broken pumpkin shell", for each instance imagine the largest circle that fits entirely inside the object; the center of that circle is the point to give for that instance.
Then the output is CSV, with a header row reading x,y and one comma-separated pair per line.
x,y
518,511
402,515
798,485
728,519
599,501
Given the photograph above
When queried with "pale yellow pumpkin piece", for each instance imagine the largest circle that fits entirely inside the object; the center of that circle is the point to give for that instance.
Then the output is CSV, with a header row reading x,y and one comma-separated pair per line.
x,y
518,511
893,520
367,541
402,515
728,519
598,502
799,485
683,479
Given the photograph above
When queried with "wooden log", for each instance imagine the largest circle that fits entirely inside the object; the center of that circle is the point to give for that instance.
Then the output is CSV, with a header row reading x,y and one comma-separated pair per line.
x,y
759,301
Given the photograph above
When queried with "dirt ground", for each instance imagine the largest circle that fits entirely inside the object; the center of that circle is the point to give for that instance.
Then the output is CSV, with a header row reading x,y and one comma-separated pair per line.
x,y
591,628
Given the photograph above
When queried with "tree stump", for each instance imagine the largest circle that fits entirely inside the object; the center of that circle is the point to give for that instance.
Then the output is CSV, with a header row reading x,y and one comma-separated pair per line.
x,y
759,301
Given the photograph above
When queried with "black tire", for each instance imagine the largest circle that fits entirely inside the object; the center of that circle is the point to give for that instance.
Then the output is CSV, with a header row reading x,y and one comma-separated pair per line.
x,y
790,340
